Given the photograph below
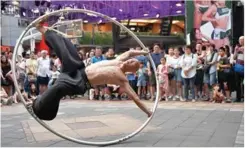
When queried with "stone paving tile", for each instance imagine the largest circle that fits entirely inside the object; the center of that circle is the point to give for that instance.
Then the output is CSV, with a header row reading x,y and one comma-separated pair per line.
x,y
144,139
50,136
6,141
168,143
24,143
192,143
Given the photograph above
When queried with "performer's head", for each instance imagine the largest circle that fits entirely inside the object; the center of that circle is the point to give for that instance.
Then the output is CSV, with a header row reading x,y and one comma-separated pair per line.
x,y
131,65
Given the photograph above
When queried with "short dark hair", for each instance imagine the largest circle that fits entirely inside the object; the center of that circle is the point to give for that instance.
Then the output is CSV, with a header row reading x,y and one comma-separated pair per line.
x,y
222,48
188,46
156,44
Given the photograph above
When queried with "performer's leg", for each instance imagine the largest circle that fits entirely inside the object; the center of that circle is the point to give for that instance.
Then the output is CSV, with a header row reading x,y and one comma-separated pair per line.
x,y
65,50
46,105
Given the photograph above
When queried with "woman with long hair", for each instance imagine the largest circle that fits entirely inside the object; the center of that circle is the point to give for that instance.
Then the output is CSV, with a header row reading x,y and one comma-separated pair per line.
x,y
170,61
210,69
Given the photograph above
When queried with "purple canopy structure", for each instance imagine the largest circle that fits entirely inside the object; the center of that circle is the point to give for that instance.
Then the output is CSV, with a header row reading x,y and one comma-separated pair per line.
x,y
120,10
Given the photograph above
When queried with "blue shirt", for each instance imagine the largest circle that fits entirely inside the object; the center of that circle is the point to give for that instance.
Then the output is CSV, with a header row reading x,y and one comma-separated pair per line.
x,y
141,74
95,59
142,59
130,77
157,58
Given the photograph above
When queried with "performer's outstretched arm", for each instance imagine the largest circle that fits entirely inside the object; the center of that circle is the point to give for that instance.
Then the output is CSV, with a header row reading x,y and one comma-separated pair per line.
x,y
131,93
131,53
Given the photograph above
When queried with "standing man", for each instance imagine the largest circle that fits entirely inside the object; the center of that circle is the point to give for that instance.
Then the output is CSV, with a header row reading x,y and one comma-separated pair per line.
x,y
239,68
98,58
31,71
43,70
156,56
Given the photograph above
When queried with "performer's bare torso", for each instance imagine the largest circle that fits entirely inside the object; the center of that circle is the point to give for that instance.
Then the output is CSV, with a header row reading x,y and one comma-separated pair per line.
x,y
110,72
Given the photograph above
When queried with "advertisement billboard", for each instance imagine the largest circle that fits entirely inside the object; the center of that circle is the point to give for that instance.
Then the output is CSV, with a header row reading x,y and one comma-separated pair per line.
x,y
209,21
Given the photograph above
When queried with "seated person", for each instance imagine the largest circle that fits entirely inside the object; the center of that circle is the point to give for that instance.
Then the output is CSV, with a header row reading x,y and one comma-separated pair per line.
x,y
218,96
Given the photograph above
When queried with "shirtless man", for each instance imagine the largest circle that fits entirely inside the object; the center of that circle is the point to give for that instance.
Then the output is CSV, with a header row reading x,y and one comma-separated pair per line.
x,y
75,78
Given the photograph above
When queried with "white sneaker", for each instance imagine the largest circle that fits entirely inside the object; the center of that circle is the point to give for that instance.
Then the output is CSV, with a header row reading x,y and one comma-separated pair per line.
x,y
182,100
170,97
174,99
193,100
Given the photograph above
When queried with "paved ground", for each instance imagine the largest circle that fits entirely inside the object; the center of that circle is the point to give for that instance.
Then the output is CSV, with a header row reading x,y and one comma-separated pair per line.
x,y
174,124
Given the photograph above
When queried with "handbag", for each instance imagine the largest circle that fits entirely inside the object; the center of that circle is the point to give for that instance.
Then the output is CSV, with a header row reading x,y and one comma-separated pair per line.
x,y
239,68
207,67
171,73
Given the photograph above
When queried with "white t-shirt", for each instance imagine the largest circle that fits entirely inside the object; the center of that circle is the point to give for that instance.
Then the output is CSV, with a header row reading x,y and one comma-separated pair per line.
x,y
43,66
21,66
55,74
173,61
186,62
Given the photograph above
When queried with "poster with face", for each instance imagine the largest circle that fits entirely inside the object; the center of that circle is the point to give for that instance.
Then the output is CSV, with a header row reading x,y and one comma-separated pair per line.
x,y
209,21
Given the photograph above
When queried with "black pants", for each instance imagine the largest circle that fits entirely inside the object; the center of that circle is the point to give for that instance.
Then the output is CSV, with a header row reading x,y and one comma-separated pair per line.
x,y
71,81
222,78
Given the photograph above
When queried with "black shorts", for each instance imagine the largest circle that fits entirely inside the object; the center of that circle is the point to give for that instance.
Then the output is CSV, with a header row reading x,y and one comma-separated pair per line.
x,y
199,77
42,80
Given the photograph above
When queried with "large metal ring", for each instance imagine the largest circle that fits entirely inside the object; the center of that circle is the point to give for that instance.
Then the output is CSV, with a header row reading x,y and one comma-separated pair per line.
x,y
47,126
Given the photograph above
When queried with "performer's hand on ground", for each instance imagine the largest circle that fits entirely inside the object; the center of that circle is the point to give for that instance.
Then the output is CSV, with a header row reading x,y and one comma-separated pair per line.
x,y
149,113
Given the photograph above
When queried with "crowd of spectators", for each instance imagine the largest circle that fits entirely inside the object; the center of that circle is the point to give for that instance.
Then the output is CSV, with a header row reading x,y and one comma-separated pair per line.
x,y
184,74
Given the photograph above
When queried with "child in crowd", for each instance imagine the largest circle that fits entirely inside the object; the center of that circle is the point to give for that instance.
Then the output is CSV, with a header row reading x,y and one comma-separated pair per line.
x,y
218,96
54,76
141,83
162,71
32,94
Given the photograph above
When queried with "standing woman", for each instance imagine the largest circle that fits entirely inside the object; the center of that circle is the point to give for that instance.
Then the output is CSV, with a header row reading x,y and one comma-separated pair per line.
x,y
172,83
200,51
176,80
210,70
223,68
188,64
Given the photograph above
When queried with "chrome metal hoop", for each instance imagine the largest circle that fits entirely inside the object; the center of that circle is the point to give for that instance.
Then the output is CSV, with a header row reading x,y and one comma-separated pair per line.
x,y
29,109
